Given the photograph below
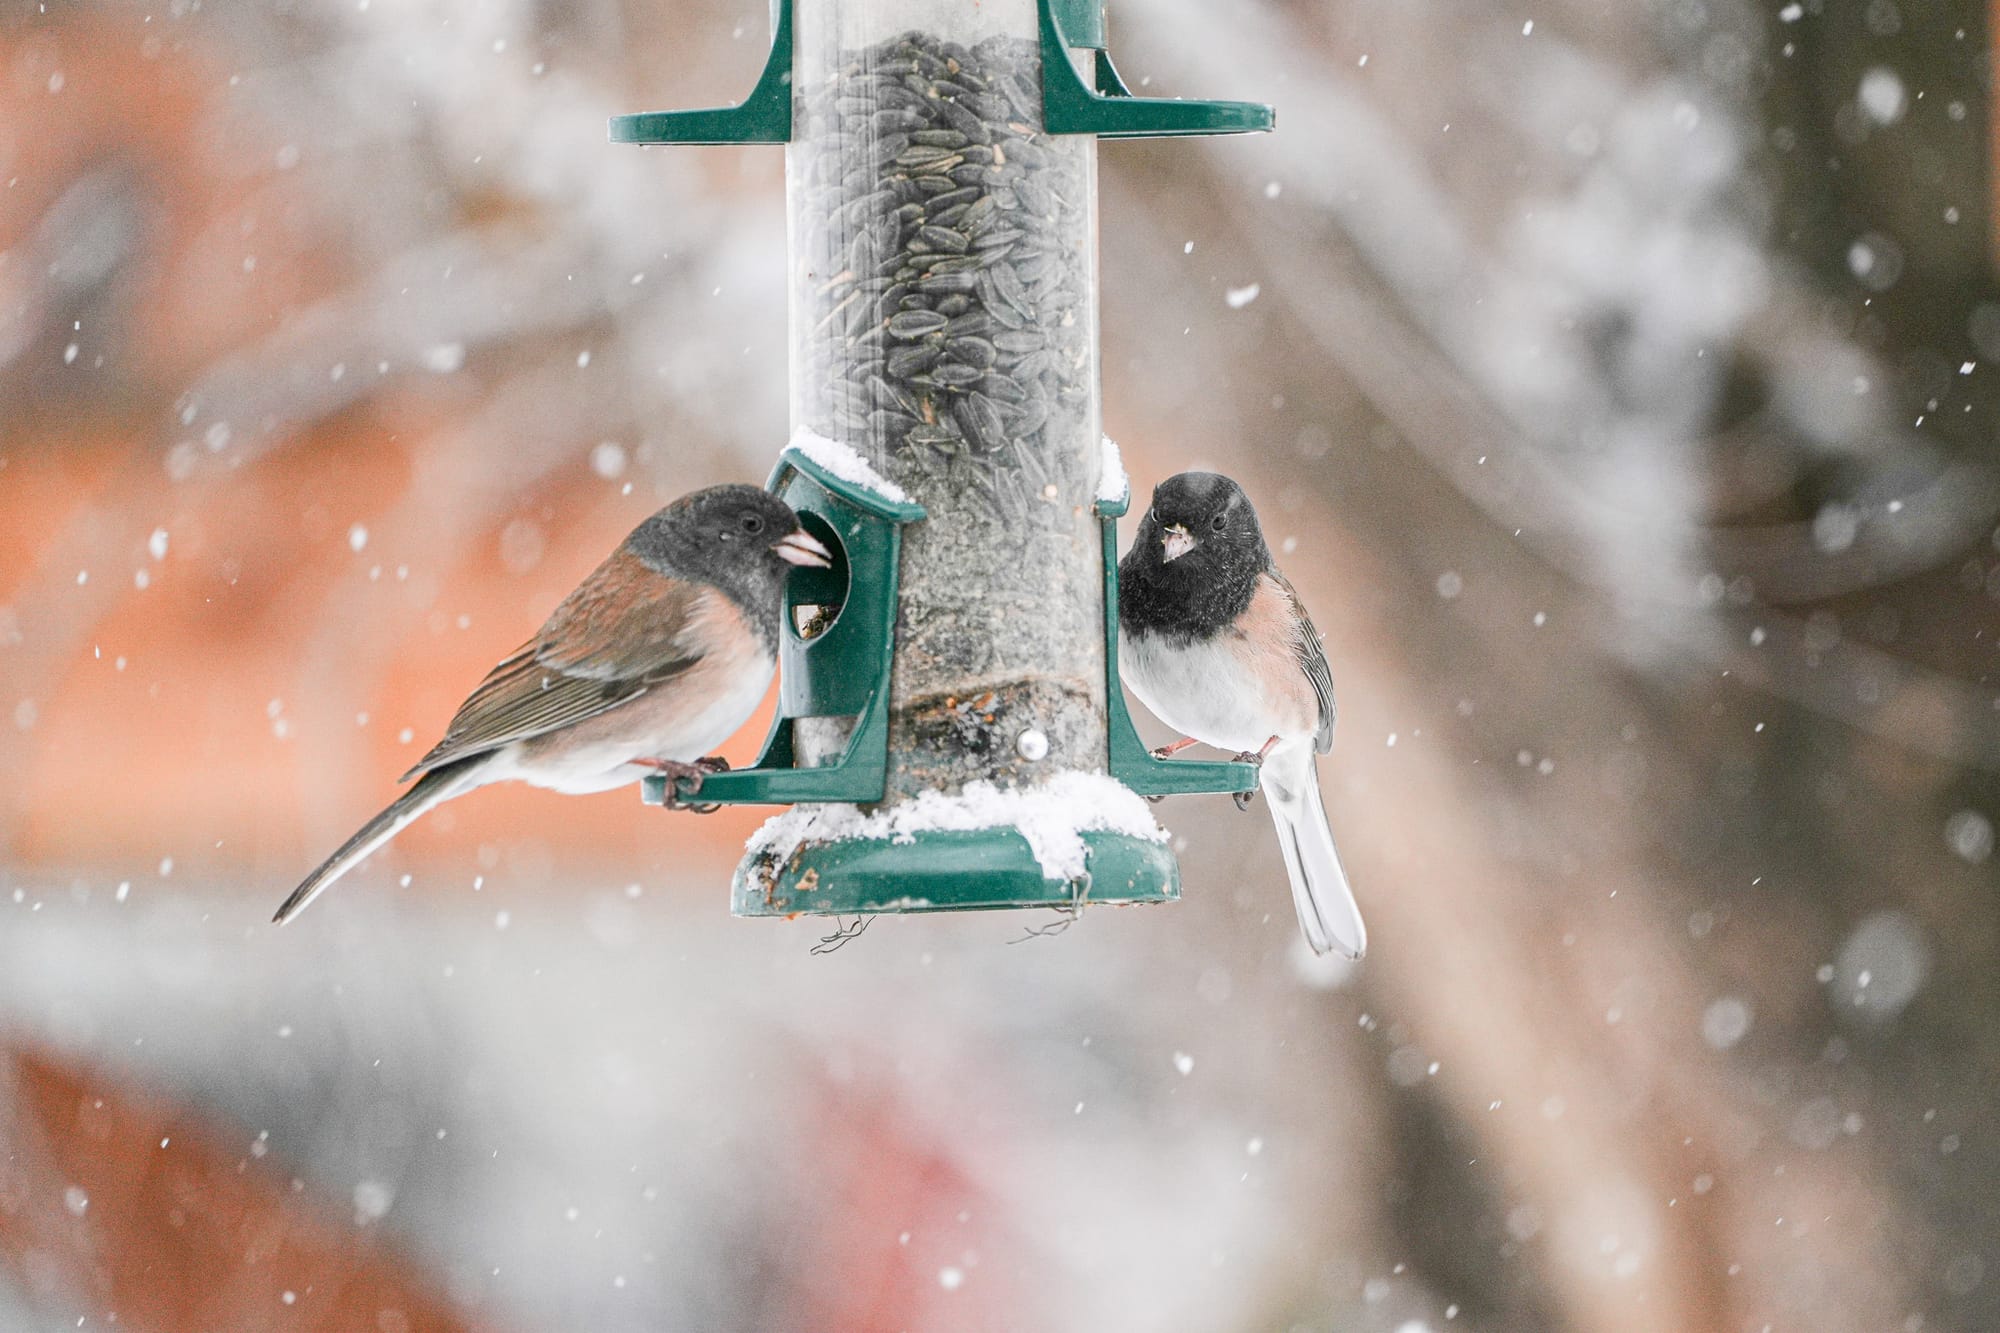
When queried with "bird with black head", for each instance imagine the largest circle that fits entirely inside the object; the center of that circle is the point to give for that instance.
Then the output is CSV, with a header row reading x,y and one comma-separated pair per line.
x,y
1214,641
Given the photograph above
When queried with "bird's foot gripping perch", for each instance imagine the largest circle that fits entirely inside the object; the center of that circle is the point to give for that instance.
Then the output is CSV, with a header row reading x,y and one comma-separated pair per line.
x,y
1256,758
677,772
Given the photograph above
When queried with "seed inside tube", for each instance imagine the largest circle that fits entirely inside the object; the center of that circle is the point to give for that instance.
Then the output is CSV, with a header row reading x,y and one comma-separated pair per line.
x,y
952,337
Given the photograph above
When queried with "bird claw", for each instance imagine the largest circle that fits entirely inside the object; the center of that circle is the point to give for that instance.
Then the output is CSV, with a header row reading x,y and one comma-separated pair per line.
x,y
1254,758
677,772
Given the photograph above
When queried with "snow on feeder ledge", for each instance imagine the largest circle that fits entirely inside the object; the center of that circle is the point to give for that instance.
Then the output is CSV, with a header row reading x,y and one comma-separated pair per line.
x,y
949,714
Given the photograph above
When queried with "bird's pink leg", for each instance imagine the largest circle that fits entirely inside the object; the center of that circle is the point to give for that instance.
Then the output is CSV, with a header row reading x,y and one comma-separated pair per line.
x,y
1169,751
694,772
1255,756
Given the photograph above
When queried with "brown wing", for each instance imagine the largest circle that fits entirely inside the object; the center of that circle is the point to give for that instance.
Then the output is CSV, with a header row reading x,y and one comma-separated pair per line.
x,y
623,631
1312,660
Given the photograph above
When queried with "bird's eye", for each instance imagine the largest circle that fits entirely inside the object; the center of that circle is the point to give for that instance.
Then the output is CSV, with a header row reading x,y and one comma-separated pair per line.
x,y
1219,522
753,524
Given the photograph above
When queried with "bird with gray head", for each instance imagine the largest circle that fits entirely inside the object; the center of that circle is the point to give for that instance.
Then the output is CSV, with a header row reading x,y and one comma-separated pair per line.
x,y
1214,641
656,658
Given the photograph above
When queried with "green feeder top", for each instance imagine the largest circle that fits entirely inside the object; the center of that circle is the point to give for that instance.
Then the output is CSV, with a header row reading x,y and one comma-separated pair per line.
x,y
1069,106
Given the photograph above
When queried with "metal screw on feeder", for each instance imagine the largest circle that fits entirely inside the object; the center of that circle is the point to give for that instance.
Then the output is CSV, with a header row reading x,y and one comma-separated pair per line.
x,y
941,191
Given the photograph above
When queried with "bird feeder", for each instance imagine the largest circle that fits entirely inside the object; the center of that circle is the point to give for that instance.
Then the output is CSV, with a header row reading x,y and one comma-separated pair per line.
x,y
942,271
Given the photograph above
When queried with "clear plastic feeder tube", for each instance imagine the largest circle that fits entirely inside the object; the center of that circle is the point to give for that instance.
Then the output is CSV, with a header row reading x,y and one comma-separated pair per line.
x,y
943,309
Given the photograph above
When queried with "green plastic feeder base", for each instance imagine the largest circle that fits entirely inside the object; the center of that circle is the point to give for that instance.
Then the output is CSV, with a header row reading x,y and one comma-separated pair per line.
x,y
956,870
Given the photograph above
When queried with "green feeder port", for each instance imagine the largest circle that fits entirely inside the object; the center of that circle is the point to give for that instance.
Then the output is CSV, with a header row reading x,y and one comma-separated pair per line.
x,y
942,188
834,648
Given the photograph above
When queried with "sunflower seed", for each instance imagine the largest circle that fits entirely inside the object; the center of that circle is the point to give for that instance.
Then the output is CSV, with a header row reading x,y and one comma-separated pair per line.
x,y
947,282
972,351
1001,388
884,422
943,238
922,154
964,121
907,361
1034,198
916,323
980,421
951,199
885,394
1007,283
1005,314
886,150
953,375
932,435
1022,152
1027,416
1035,365
1037,271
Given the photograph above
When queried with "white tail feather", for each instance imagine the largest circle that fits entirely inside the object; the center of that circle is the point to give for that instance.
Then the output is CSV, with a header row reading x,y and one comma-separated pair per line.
x,y
1328,914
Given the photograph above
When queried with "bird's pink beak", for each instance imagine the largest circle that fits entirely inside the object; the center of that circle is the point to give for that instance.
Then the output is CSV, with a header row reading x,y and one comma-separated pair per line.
x,y
802,548
1175,544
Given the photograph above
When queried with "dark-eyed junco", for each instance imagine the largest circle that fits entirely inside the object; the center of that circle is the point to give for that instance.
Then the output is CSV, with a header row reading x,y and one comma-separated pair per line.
x,y
1213,640
661,653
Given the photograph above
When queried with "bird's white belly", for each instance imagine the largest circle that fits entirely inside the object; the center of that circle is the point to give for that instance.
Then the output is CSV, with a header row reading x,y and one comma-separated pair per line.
x,y
1199,689
658,725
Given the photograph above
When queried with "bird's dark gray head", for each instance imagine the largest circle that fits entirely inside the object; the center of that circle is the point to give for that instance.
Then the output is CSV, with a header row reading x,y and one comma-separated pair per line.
x,y
1194,564
743,539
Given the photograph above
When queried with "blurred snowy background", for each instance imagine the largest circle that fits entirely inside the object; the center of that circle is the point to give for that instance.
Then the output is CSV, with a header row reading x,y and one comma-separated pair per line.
x,y
1619,384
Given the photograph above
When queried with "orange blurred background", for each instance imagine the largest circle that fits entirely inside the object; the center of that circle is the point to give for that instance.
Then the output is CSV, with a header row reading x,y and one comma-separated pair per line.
x,y
1614,383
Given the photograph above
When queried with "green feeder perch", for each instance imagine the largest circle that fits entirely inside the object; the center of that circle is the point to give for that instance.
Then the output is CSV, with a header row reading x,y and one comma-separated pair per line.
x,y
950,727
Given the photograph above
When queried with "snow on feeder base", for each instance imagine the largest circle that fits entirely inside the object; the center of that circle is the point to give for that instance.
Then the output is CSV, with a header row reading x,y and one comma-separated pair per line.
x,y
1077,838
